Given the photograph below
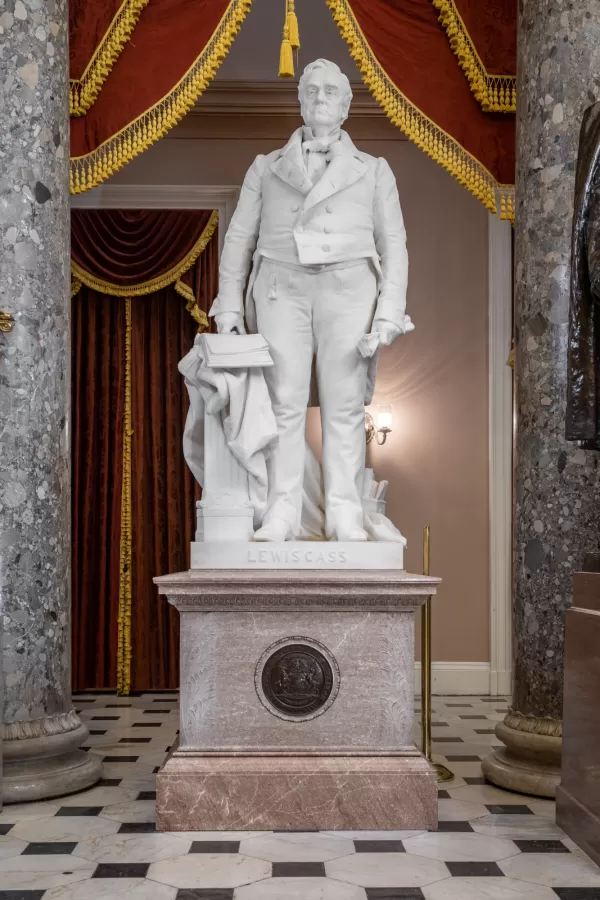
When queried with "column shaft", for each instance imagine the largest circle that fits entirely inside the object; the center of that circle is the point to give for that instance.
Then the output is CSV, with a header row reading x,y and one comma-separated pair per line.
x,y
557,503
42,731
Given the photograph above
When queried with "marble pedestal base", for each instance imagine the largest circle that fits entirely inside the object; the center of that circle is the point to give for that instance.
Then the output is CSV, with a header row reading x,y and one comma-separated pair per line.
x,y
296,702
529,763
42,759
295,793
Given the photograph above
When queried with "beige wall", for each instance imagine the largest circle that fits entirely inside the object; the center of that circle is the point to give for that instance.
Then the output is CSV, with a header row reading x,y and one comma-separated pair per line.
x,y
436,458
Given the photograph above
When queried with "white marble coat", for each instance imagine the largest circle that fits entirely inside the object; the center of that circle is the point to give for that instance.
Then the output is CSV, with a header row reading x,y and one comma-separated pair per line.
x,y
353,212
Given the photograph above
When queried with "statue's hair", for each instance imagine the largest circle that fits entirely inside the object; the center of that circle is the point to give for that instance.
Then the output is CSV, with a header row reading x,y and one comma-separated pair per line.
x,y
324,64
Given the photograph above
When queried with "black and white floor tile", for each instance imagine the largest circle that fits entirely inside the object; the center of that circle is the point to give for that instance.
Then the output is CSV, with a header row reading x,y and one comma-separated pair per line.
x,y
102,844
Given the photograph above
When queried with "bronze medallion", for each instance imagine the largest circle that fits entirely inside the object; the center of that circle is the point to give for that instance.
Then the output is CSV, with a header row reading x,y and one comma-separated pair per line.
x,y
297,679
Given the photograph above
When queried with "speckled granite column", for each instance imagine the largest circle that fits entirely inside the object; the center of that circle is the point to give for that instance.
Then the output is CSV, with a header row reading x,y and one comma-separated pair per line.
x,y
557,483
42,732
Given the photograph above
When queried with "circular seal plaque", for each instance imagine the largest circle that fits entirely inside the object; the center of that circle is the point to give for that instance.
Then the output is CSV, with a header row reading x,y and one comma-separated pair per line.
x,y
297,679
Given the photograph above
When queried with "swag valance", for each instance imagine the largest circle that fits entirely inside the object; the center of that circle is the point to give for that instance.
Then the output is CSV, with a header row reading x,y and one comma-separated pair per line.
x,y
483,35
443,71
131,252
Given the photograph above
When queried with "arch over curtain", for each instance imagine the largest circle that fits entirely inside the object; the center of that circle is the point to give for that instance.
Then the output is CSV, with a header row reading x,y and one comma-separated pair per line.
x,y
412,62
133,497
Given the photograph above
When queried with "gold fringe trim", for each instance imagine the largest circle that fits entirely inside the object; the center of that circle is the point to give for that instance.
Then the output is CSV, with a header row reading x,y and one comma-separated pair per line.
x,y
75,286
125,580
84,90
93,168
438,144
191,306
153,284
496,93
506,202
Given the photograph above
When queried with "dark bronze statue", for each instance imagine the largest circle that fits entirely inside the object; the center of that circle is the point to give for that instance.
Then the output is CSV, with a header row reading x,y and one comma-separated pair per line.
x,y
583,391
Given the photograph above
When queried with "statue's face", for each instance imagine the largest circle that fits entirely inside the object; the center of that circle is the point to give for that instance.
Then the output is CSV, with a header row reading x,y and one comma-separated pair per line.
x,y
324,99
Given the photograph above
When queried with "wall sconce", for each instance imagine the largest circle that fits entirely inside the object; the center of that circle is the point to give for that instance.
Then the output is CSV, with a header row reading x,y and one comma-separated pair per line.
x,y
381,426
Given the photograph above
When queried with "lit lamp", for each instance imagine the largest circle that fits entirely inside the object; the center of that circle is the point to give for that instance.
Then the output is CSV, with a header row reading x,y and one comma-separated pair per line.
x,y
381,426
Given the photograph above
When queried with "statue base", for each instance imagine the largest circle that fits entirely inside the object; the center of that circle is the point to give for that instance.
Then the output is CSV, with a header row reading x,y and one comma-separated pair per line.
x,y
234,554
296,702
261,793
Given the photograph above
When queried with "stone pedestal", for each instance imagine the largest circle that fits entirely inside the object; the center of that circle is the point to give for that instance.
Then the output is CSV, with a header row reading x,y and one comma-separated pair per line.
x,y
557,489
296,702
578,795
42,732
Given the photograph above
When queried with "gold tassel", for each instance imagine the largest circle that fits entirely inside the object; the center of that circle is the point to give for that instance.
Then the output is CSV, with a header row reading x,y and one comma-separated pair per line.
x,y
286,57
292,23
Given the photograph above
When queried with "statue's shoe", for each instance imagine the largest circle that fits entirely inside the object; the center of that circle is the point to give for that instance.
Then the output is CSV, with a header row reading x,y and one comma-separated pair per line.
x,y
275,530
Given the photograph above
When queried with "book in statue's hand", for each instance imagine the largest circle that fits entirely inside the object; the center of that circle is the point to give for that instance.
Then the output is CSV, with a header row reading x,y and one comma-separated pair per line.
x,y
235,351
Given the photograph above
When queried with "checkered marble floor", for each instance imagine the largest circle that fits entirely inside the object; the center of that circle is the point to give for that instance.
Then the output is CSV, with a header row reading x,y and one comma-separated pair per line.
x,y
101,844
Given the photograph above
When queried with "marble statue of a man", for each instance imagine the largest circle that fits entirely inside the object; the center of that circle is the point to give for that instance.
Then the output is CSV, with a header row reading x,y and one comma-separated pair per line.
x,y
319,224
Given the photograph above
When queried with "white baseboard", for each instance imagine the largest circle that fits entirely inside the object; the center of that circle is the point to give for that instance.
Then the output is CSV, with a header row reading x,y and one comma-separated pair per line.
x,y
464,678
501,682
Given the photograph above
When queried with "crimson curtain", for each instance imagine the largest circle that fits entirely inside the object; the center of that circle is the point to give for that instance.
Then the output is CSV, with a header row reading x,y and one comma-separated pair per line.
x,y
163,492
492,26
98,394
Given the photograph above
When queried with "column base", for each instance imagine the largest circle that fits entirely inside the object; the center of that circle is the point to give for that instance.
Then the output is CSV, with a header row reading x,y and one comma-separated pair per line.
x,y
237,793
42,759
530,762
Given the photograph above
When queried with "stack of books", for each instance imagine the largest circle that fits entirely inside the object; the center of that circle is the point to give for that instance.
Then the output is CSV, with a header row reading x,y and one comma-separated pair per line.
x,y
235,351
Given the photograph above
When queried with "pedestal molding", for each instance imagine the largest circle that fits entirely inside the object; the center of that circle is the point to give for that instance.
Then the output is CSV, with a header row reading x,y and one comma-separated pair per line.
x,y
531,724
45,726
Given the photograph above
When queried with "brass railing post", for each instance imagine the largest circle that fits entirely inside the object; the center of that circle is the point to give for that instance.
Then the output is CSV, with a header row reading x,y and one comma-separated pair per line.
x,y
442,772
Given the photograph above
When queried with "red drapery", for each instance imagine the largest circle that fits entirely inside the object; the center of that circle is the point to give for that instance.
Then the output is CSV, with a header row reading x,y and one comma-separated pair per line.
x,y
424,91
133,498
421,85
483,37
492,26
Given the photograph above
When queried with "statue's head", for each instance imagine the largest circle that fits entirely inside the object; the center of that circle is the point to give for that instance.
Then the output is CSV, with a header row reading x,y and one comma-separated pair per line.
x,y
325,94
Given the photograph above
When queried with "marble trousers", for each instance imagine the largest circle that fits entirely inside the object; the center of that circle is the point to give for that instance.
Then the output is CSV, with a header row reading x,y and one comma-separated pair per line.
x,y
320,314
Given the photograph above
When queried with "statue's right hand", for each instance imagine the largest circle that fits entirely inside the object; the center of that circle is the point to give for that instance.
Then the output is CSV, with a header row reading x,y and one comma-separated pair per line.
x,y
230,322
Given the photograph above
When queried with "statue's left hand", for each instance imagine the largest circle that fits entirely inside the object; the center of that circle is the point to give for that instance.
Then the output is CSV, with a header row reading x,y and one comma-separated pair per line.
x,y
387,331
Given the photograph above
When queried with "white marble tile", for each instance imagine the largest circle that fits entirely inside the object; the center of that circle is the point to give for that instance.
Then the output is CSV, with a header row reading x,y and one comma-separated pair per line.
x,y
11,845
297,847
462,769
533,828
374,835
299,889
203,870
16,812
134,811
124,770
386,869
100,796
553,869
545,808
139,783
459,847
486,889
142,848
216,835
113,889
42,872
64,828
460,810
487,793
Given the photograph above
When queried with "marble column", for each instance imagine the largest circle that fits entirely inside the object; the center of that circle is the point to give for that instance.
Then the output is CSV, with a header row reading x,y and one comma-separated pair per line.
x,y
557,484
42,731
